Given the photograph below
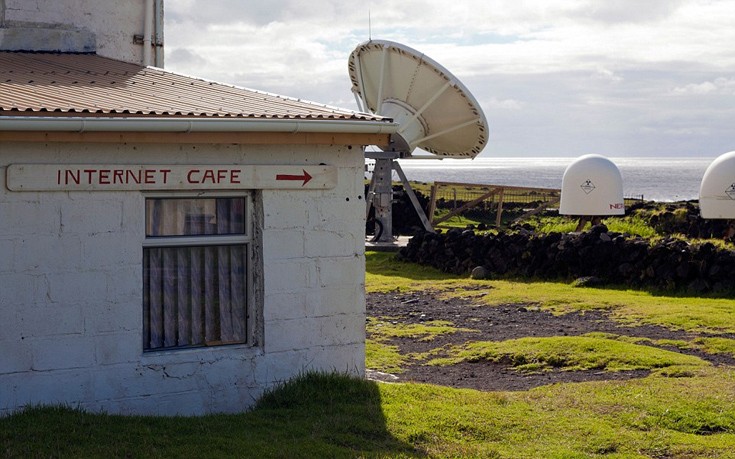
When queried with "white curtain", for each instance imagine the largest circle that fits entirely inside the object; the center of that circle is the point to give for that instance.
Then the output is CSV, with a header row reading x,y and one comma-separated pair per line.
x,y
194,295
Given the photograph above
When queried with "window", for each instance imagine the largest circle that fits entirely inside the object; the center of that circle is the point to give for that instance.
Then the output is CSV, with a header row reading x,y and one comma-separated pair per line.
x,y
196,276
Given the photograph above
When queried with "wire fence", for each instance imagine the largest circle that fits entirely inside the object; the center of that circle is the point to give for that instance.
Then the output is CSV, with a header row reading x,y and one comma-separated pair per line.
x,y
461,198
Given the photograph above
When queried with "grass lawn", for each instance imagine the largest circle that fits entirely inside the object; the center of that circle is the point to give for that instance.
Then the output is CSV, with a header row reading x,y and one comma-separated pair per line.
x,y
683,410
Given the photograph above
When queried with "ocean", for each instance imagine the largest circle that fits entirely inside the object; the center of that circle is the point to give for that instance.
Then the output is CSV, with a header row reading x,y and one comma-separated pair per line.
x,y
654,178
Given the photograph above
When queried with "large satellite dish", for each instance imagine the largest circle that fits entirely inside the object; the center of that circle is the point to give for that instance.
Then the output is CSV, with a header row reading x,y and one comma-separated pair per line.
x,y
433,109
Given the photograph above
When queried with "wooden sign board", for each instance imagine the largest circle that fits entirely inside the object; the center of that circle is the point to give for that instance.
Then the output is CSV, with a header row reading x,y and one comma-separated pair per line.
x,y
150,177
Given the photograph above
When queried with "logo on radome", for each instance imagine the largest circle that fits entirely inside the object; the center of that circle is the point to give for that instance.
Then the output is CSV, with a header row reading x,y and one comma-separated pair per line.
x,y
730,192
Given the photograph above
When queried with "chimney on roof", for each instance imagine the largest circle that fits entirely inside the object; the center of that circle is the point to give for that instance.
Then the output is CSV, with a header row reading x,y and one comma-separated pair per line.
x,y
51,39
114,29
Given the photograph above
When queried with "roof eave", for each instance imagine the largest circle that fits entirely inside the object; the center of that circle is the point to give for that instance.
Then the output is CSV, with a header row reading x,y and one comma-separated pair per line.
x,y
172,124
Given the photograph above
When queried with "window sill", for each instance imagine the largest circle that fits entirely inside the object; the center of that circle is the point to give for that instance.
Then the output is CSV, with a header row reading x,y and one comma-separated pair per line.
x,y
204,353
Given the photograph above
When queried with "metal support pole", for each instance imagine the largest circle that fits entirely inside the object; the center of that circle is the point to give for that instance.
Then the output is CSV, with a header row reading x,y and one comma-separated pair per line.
x,y
413,198
383,198
370,196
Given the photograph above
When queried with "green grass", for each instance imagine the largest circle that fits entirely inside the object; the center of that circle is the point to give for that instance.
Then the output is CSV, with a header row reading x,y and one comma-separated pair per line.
x,y
335,416
385,327
569,354
710,345
385,274
316,415
385,357
554,225
633,225
651,417
717,345
458,221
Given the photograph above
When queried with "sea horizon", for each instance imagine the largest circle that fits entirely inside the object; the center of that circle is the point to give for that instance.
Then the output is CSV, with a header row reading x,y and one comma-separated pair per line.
x,y
655,178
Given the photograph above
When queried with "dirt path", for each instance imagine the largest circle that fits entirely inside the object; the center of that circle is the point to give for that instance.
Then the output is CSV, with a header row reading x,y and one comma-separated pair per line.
x,y
502,323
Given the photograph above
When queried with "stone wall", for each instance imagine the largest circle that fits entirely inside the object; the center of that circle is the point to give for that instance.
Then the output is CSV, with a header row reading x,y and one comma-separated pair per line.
x,y
671,264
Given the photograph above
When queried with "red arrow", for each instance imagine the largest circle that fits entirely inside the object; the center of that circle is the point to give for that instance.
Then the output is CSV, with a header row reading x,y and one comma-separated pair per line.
x,y
305,177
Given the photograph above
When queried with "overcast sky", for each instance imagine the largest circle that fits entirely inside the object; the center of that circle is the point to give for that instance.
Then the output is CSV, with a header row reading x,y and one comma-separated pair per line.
x,y
554,77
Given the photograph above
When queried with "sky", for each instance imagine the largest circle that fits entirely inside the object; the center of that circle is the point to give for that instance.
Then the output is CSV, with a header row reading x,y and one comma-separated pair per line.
x,y
620,78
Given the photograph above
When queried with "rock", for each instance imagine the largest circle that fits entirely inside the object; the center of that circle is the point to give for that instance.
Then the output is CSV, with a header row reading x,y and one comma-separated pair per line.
x,y
374,375
698,286
479,272
598,229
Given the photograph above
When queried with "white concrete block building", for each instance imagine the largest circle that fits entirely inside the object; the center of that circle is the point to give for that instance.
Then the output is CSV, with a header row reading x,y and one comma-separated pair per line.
x,y
169,245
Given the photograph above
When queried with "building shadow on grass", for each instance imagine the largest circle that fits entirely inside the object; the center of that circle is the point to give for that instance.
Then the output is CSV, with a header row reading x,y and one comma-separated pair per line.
x,y
313,415
334,416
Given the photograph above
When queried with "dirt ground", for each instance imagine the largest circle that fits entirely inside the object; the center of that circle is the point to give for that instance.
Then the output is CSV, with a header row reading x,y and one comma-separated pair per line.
x,y
502,323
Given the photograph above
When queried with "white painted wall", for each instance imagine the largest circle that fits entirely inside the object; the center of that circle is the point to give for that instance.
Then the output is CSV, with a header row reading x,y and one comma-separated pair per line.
x,y
74,25
71,288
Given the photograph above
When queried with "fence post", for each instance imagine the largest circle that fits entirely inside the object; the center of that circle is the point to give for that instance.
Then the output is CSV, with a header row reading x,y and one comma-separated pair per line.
x,y
499,212
432,203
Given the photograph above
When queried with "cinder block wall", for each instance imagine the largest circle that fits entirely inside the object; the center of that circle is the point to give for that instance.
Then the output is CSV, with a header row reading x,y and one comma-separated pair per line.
x,y
71,287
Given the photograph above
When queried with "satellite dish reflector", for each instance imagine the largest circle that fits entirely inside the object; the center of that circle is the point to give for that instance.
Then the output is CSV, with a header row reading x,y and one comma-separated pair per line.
x,y
434,110
592,186
717,191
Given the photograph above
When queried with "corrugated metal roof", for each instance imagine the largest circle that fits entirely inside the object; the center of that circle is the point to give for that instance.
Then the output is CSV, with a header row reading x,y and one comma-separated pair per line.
x,y
49,84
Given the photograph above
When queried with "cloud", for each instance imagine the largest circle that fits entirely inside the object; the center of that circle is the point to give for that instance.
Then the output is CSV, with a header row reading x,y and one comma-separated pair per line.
x,y
718,86
504,104
560,76
607,75
181,57
626,11
478,36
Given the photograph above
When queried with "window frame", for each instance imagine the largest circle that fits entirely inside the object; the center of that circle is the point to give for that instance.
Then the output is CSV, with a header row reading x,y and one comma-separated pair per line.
x,y
212,240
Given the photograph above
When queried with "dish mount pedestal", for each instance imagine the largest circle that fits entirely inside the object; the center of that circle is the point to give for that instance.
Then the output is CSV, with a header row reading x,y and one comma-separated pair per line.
x,y
380,195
